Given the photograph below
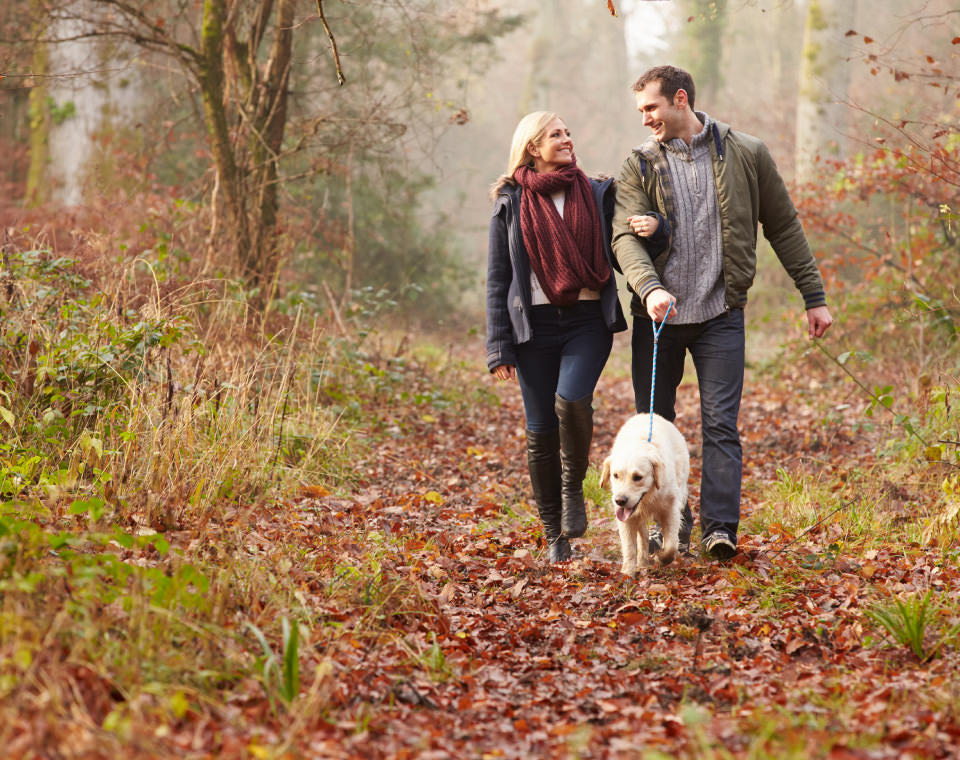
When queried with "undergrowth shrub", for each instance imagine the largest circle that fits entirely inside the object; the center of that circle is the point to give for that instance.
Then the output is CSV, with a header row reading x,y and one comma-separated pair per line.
x,y
134,404
169,409
885,224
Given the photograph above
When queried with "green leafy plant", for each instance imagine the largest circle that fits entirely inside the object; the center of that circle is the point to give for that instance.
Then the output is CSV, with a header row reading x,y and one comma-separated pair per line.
x,y
431,658
821,560
907,620
592,490
435,660
280,672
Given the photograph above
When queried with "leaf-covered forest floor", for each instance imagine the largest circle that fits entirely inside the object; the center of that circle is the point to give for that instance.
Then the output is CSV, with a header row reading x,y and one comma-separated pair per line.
x,y
763,656
436,630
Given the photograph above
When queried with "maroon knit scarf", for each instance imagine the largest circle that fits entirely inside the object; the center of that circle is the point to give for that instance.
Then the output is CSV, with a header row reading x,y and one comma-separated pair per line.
x,y
565,254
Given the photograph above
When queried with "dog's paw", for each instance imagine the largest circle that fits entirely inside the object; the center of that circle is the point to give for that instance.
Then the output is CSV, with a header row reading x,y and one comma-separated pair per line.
x,y
629,570
666,556
645,562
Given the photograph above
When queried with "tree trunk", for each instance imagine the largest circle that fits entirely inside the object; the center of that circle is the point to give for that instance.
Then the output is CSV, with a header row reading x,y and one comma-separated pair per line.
x,y
350,239
269,101
822,116
39,112
247,171
214,111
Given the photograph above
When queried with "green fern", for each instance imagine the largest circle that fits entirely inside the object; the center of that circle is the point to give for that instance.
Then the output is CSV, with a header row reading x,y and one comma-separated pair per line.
x,y
907,621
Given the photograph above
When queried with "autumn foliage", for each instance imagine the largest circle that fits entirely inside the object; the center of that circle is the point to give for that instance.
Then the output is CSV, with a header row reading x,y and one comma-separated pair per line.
x,y
287,532
348,564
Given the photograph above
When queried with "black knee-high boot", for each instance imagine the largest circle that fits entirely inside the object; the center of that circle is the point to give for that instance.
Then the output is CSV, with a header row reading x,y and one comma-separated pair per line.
x,y
576,432
543,459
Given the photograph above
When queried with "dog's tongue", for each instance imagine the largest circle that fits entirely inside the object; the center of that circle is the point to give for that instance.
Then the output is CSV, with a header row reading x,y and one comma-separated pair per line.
x,y
623,513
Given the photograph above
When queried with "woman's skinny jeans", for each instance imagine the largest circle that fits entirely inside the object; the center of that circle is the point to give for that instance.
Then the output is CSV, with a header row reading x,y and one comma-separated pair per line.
x,y
565,357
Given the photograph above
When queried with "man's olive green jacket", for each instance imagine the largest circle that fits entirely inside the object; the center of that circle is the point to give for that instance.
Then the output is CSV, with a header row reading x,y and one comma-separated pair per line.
x,y
749,190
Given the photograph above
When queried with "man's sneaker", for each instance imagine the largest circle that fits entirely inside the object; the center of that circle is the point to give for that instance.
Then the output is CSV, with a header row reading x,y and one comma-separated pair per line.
x,y
719,545
655,543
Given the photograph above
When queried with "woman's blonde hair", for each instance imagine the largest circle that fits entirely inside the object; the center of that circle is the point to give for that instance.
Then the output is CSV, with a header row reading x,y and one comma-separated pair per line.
x,y
529,130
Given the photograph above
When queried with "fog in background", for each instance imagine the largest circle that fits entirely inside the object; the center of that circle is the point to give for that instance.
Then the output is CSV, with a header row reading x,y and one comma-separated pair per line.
x,y
394,168
572,57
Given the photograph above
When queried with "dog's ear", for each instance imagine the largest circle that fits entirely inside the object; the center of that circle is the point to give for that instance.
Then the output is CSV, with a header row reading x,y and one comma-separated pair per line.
x,y
605,473
657,470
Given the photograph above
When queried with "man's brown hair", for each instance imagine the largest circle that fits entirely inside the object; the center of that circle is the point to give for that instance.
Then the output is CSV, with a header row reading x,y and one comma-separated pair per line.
x,y
671,79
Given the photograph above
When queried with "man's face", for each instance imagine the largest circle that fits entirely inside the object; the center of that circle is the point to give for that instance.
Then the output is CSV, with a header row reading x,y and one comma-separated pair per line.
x,y
664,118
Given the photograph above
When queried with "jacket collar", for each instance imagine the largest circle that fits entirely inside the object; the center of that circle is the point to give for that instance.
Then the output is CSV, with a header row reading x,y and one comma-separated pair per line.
x,y
507,195
510,190
649,149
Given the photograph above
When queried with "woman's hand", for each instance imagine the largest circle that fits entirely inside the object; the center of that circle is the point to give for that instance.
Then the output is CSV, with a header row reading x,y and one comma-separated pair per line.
x,y
504,372
644,225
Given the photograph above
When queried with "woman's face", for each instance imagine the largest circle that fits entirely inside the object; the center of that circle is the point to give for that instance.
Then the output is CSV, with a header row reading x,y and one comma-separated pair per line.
x,y
554,149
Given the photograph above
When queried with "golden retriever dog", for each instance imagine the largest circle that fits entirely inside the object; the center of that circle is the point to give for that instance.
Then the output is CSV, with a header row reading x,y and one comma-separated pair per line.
x,y
648,481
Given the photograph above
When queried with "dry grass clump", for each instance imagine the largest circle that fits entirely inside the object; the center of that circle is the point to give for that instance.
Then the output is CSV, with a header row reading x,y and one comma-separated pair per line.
x,y
157,422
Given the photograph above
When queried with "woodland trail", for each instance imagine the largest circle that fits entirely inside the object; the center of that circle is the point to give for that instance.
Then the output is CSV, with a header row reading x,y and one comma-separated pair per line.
x,y
463,643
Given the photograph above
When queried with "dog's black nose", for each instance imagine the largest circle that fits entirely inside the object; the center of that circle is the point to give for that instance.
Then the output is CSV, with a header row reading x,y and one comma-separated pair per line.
x,y
621,501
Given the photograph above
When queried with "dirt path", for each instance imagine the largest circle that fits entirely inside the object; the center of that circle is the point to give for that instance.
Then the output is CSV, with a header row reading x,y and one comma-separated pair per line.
x,y
480,650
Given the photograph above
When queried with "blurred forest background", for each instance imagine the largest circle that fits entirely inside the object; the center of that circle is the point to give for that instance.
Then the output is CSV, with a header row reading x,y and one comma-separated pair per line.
x,y
222,126
191,186
251,195
242,259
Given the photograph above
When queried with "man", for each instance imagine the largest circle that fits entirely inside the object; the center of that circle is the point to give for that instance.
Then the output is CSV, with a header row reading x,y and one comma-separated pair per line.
x,y
712,185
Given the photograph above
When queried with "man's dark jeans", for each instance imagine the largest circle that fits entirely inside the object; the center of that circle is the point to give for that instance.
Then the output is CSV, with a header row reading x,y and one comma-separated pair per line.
x,y
566,354
717,348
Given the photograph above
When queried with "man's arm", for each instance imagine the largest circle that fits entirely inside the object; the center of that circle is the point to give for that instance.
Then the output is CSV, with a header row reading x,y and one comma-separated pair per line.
x,y
781,226
632,256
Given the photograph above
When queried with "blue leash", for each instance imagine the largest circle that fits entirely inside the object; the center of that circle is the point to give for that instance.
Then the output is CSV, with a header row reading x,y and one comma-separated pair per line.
x,y
653,377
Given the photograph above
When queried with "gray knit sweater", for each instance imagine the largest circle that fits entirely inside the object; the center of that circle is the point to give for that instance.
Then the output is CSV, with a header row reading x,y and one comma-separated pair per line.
x,y
694,271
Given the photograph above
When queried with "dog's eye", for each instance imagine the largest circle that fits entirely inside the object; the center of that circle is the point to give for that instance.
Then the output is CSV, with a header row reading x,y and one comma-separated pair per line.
x,y
636,478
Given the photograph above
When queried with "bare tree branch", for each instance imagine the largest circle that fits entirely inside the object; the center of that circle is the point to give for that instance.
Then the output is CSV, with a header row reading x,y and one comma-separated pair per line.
x,y
333,43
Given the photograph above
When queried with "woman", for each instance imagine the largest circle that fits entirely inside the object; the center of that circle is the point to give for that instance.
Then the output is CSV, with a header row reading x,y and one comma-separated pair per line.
x,y
552,309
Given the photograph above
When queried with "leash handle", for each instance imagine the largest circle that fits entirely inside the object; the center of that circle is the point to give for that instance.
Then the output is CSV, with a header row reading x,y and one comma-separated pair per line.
x,y
653,376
